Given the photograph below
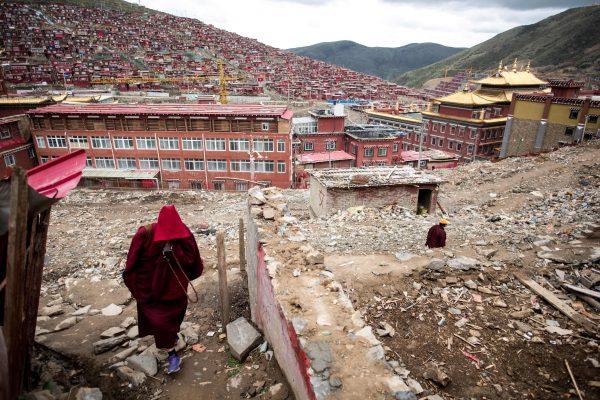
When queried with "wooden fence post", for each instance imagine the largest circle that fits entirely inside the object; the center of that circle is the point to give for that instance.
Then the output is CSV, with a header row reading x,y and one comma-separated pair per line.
x,y
223,290
33,281
242,246
14,316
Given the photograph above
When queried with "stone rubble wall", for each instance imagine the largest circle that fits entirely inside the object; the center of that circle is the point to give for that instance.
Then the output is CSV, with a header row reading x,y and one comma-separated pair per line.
x,y
321,343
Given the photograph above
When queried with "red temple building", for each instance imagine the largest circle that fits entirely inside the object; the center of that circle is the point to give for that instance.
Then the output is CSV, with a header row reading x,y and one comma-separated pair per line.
x,y
470,124
212,146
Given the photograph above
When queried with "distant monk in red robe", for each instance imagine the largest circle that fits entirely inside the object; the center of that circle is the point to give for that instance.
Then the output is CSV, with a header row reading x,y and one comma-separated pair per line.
x,y
163,258
436,237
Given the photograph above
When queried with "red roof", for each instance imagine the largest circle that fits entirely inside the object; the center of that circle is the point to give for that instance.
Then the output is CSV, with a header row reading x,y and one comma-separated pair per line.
x,y
167,109
56,178
325,156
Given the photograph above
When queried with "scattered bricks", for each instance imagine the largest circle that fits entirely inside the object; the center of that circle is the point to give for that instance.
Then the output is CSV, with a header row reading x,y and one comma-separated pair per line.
x,y
102,346
319,353
242,338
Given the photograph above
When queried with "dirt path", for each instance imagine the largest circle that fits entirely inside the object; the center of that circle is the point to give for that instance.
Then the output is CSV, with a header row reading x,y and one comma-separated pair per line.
x,y
84,268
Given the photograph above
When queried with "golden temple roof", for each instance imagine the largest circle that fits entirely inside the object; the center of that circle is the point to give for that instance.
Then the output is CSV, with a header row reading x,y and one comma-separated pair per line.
x,y
477,98
511,78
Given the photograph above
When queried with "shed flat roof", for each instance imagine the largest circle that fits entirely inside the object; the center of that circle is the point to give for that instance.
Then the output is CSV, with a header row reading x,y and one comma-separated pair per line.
x,y
119,173
411,155
347,178
324,156
167,109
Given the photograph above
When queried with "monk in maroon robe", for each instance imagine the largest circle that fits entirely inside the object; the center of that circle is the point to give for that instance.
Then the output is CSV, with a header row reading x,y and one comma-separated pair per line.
x,y
436,237
162,259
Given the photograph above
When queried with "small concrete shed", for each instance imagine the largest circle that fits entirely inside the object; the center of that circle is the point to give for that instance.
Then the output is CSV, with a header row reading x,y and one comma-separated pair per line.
x,y
332,190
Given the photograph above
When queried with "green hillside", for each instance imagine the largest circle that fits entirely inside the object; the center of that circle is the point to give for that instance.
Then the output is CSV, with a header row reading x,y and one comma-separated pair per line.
x,y
385,62
569,40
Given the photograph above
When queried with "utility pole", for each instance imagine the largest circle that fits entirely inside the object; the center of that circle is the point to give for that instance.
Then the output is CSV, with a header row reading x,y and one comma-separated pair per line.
x,y
421,134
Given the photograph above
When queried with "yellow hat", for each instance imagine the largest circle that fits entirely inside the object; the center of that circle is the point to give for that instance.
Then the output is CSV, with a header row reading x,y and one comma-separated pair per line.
x,y
444,221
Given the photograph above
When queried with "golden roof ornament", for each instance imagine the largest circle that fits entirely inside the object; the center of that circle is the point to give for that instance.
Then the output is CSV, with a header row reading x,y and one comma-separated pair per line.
x,y
528,69
500,67
515,66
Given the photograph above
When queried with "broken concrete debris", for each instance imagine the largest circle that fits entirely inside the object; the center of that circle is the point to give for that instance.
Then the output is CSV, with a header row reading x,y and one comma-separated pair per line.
x,y
468,289
242,338
143,363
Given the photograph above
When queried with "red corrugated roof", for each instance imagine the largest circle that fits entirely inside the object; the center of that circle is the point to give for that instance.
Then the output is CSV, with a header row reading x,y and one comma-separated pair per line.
x,y
56,178
167,109
338,155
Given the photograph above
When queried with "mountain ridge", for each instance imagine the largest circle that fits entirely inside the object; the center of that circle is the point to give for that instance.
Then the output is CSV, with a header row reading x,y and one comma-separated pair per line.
x,y
385,62
557,44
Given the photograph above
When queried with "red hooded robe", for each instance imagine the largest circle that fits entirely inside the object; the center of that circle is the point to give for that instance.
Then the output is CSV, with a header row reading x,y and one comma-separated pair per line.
x,y
161,299
436,237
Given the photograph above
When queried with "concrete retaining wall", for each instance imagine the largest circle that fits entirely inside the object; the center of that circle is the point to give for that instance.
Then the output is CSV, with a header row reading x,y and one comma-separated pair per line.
x,y
269,317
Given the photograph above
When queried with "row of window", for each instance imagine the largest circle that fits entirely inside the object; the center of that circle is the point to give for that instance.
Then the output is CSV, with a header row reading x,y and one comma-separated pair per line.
x,y
370,151
153,124
189,164
164,143
454,129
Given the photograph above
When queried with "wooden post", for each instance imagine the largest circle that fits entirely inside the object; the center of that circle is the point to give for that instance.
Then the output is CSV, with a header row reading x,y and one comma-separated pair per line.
x,y
242,245
33,281
223,290
14,304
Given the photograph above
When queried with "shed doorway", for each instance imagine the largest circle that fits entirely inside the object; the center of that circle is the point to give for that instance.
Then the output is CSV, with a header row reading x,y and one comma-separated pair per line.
x,y
424,201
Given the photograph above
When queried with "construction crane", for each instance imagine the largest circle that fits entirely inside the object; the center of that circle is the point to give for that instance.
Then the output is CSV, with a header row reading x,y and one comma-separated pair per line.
x,y
223,79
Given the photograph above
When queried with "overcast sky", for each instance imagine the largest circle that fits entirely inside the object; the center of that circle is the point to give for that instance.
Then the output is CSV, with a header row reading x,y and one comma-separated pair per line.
x,y
294,23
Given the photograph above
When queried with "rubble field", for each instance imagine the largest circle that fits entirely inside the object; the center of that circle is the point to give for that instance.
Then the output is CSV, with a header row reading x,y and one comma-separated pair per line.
x,y
455,323
85,308
458,320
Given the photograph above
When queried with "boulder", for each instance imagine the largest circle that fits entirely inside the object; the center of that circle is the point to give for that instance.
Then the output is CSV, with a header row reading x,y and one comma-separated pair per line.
x,y
104,345
367,334
112,310
122,355
127,322
463,263
51,311
111,332
86,393
277,392
143,363
242,338
133,332
136,378
65,324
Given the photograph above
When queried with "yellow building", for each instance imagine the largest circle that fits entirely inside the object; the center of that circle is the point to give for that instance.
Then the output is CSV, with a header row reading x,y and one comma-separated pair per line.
x,y
543,122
